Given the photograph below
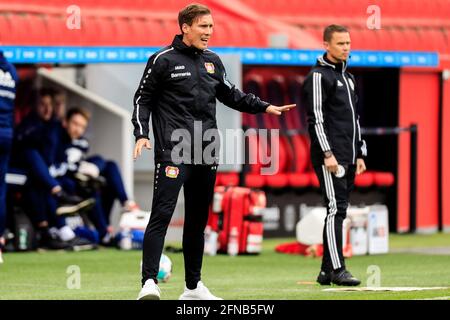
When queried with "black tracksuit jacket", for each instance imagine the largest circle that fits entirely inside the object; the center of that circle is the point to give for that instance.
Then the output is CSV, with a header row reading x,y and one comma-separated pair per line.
x,y
179,86
330,97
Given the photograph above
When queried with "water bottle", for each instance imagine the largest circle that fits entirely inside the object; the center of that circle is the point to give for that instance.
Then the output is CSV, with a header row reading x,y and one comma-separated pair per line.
x,y
210,241
217,202
213,242
23,235
126,242
233,242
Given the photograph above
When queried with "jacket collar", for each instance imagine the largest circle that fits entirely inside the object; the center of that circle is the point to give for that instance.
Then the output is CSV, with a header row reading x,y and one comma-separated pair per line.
x,y
178,44
324,62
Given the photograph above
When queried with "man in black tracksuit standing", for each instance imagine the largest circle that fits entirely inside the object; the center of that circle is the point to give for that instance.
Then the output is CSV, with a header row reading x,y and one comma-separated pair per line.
x,y
179,89
337,149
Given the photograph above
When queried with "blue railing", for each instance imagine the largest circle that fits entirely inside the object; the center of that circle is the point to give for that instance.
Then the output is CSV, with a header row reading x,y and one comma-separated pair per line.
x,y
249,56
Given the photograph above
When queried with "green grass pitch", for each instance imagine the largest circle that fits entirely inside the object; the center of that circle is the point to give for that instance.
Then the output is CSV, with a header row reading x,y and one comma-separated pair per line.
x,y
113,274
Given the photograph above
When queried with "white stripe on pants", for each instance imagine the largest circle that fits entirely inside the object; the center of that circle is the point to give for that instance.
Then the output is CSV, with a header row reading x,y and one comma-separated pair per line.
x,y
330,228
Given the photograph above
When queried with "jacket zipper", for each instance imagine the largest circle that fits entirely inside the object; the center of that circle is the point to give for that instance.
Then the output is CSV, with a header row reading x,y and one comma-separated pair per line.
x,y
197,98
353,113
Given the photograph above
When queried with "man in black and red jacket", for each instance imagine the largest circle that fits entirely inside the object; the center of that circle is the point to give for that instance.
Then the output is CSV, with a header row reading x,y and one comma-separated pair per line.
x,y
179,89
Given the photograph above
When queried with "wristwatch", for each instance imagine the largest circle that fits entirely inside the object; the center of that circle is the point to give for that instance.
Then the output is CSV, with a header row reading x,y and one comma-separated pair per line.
x,y
327,154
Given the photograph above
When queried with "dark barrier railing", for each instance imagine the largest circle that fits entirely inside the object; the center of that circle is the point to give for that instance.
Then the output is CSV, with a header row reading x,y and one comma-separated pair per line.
x,y
380,131
412,168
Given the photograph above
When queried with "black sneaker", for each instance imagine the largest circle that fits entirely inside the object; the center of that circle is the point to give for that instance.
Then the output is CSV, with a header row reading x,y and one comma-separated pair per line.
x,y
90,182
81,244
344,278
324,279
72,204
109,240
48,241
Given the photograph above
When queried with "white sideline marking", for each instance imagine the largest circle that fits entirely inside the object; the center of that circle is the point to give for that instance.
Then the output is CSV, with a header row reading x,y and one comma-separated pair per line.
x,y
436,298
396,289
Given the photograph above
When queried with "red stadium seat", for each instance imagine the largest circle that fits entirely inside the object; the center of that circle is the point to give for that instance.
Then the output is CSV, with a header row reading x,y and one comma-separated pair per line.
x,y
154,34
139,31
314,180
364,180
443,9
122,30
37,30
59,34
233,35
383,179
228,179
90,31
299,180
107,31
18,29
5,30
250,35
169,29
400,40
358,39
279,180
254,180
434,38
386,40
315,30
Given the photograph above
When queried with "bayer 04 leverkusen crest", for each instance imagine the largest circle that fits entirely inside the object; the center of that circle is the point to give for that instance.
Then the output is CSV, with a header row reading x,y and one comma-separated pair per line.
x,y
209,67
172,172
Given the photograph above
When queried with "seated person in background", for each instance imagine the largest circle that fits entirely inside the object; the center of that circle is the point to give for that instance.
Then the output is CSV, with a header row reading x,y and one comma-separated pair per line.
x,y
59,104
76,147
34,149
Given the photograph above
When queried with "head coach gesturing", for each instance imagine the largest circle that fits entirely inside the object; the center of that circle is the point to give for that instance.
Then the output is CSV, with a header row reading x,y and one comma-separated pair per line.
x,y
179,89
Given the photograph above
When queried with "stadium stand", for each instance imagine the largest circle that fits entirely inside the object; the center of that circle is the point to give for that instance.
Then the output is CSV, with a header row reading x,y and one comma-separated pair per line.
x,y
106,23
406,25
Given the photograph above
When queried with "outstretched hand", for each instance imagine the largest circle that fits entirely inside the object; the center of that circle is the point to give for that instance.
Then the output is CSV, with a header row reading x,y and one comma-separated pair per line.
x,y
279,110
143,142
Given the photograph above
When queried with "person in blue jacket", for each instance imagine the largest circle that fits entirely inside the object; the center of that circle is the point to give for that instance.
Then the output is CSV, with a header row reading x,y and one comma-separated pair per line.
x,y
37,139
73,151
8,84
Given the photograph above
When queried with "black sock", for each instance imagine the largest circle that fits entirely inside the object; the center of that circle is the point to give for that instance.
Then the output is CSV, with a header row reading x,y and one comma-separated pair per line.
x,y
191,285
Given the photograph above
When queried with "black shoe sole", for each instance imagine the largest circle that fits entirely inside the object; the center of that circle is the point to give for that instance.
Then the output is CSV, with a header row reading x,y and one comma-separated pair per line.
x,y
324,283
344,279
347,284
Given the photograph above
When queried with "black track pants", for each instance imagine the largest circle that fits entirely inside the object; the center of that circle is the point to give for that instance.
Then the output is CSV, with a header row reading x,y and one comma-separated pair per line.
x,y
336,193
198,181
